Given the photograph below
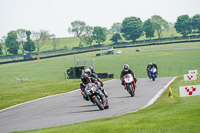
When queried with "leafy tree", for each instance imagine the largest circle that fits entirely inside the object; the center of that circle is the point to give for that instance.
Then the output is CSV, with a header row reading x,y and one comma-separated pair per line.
x,y
77,28
99,34
106,30
29,45
159,24
36,38
115,37
11,42
183,25
40,38
3,45
54,41
87,36
21,38
131,28
116,27
196,22
148,28
1,49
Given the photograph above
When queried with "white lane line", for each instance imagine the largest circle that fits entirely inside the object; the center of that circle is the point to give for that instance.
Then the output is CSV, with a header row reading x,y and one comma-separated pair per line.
x,y
37,100
158,95
45,98
154,99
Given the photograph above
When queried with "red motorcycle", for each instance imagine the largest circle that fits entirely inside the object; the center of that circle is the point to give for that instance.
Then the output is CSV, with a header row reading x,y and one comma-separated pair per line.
x,y
129,84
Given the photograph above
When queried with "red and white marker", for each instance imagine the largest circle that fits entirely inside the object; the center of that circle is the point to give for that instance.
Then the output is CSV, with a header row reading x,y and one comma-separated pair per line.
x,y
188,77
193,72
189,90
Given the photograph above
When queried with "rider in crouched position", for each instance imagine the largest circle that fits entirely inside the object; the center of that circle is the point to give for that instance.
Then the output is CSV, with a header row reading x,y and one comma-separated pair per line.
x,y
127,70
91,73
85,80
148,69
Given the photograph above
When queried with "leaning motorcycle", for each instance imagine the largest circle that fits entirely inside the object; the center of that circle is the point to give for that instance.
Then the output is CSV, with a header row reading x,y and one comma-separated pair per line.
x,y
96,96
153,73
129,84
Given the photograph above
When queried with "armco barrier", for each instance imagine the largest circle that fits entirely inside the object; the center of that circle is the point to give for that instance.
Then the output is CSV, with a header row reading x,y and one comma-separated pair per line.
x,y
14,61
105,75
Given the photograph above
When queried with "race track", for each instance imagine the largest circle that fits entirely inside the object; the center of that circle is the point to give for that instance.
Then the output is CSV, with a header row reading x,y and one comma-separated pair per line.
x,y
70,107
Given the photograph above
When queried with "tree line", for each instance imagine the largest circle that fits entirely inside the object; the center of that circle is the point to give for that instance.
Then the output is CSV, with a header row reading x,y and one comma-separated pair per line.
x,y
131,28
26,41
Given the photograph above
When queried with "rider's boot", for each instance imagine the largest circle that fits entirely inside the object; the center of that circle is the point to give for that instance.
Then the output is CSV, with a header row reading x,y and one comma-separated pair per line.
x,y
104,92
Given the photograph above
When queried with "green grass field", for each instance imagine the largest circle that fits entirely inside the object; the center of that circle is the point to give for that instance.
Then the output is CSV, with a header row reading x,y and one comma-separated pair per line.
x,y
46,77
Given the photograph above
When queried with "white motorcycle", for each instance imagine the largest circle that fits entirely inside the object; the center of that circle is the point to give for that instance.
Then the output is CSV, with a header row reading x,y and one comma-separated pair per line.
x,y
153,73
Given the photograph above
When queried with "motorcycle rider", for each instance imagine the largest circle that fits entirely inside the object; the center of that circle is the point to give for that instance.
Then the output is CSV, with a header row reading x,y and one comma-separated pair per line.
x,y
91,73
148,69
92,70
154,65
151,65
85,80
127,70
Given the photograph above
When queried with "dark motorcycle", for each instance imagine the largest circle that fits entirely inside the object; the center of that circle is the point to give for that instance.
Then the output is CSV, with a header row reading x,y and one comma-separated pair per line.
x,y
153,73
96,96
129,84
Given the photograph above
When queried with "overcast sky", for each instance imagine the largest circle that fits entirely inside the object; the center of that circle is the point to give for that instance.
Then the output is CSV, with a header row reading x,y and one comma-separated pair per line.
x,y
56,15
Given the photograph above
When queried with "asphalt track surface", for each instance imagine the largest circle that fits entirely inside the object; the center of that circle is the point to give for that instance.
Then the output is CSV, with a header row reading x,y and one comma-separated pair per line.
x,y
70,107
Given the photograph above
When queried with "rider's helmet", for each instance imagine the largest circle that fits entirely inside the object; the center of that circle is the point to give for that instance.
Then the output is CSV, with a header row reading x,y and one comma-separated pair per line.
x,y
126,67
88,72
85,78
153,63
91,69
150,63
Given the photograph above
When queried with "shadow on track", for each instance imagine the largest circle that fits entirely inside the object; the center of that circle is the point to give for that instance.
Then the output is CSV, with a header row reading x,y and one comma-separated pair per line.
x,y
84,106
85,111
121,97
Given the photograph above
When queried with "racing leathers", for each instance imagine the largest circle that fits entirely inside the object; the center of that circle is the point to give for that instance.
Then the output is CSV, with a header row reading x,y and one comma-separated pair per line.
x,y
91,80
123,73
150,67
94,75
148,70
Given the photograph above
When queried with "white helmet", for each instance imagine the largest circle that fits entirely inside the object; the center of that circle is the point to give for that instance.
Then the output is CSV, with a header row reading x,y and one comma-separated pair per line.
x,y
88,72
126,67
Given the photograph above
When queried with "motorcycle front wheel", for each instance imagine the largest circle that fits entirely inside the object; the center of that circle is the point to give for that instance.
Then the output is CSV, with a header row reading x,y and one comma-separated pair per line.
x,y
97,100
130,89
153,77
